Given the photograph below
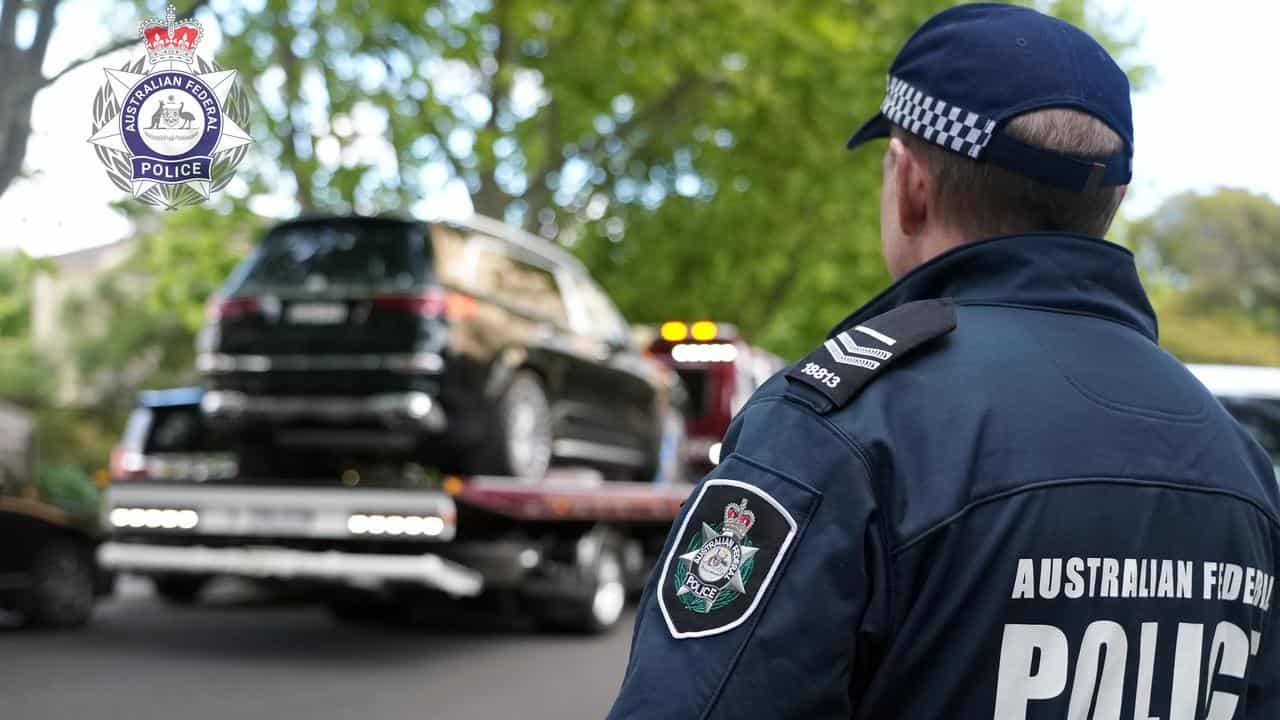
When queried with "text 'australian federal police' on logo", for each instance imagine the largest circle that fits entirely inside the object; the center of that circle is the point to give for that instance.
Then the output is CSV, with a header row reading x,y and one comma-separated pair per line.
x,y
723,558
174,134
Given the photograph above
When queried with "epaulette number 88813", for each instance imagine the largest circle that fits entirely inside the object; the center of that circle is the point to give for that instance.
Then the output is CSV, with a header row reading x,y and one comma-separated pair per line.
x,y
821,374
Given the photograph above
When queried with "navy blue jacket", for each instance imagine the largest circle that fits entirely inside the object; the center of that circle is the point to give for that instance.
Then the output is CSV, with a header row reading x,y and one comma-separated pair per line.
x,y
1036,514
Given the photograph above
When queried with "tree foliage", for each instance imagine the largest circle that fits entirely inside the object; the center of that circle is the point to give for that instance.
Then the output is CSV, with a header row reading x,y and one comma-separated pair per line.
x,y
1213,264
136,326
1222,249
690,153
18,273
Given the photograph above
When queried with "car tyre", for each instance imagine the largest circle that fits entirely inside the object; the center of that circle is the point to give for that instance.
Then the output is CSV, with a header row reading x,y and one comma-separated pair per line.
x,y
63,583
597,609
524,429
180,590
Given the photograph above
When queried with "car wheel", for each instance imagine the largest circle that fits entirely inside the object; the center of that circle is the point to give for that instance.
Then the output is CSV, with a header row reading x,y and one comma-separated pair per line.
x,y
524,432
62,590
599,607
180,589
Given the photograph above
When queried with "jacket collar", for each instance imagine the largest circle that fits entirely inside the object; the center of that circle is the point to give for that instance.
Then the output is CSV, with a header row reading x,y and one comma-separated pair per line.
x,y
1066,273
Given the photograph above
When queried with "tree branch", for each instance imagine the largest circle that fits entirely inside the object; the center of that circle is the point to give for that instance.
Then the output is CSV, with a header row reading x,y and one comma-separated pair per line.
x,y
8,21
106,49
13,147
95,55
537,190
289,132
490,198
44,28
501,55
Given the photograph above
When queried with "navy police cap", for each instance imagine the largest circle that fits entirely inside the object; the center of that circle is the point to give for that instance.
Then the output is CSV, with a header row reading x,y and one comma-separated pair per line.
x,y
970,69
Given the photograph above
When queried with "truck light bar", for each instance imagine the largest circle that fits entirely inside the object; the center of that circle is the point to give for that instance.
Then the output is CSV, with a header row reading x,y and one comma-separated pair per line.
x,y
377,524
709,353
154,518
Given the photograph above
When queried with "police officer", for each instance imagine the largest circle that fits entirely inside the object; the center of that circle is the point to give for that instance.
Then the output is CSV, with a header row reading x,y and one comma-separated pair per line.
x,y
989,493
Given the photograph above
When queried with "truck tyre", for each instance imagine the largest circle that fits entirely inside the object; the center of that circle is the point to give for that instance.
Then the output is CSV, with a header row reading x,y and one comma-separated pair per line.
x,y
598,607
523,446
179,589
62,585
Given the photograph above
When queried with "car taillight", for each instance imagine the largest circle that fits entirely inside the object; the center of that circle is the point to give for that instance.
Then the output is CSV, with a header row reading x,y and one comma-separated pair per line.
x,y
433,303
232,308
128,464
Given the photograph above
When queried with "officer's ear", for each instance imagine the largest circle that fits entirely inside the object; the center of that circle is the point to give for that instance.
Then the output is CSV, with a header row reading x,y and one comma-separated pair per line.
x,y
912,185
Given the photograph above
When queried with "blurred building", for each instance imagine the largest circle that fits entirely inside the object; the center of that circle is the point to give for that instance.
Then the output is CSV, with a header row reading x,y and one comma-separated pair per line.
x,y
75,272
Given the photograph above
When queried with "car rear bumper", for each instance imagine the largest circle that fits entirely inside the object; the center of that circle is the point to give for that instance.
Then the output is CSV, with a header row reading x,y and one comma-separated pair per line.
x,y
412,409
358,568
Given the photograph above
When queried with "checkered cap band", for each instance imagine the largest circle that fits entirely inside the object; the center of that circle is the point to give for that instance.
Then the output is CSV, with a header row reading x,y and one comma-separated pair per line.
x,y
937,121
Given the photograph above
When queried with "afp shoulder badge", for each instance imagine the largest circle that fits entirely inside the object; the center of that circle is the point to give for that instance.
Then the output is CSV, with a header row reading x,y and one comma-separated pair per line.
x,y
724,556
850,359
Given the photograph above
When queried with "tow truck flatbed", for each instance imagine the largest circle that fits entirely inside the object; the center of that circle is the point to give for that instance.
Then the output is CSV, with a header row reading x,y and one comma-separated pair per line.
x,y
559,542
556,499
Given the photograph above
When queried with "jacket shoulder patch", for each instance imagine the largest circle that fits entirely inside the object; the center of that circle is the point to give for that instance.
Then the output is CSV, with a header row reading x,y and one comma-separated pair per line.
x,y
851,359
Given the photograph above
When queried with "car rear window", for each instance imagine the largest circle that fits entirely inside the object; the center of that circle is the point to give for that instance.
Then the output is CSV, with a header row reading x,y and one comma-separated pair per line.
x,y
167,429
336,256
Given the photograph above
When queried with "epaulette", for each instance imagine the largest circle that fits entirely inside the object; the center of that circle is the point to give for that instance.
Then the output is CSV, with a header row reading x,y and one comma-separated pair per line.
x,y
852,358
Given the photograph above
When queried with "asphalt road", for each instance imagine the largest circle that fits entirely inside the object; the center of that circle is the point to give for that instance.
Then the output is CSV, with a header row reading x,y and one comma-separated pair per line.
x,y
238,657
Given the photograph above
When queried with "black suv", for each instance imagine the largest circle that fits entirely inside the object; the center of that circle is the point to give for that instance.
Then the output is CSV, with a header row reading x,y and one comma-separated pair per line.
x,y
470,347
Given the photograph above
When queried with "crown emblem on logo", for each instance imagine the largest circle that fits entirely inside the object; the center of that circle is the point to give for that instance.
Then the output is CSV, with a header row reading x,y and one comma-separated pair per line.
x,y
170,40
738,519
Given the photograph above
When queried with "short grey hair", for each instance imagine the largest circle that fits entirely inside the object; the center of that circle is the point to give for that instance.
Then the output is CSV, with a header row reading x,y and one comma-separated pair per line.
x,y
985,200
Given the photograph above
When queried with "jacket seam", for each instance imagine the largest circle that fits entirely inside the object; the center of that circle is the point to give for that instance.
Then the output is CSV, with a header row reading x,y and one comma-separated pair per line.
x,y
1057,311
755,622
882,526
1064,482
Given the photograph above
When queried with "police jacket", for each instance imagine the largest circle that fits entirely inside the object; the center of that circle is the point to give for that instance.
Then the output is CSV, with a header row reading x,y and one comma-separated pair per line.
x,y
989,494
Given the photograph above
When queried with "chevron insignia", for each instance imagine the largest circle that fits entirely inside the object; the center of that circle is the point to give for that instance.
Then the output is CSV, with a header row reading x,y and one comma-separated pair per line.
x,y
846,355
853,357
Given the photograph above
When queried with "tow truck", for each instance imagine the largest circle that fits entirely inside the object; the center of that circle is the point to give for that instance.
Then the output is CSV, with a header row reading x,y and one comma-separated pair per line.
x,y
568,548
719,371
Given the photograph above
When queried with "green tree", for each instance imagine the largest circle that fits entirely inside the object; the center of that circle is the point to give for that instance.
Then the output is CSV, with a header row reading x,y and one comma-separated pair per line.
x,y
136,326
690,153
1212,262
18,272
1221,248
1212,335
26,378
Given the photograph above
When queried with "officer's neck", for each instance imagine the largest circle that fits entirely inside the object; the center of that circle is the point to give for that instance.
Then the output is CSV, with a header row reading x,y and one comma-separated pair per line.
x,y
932,242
